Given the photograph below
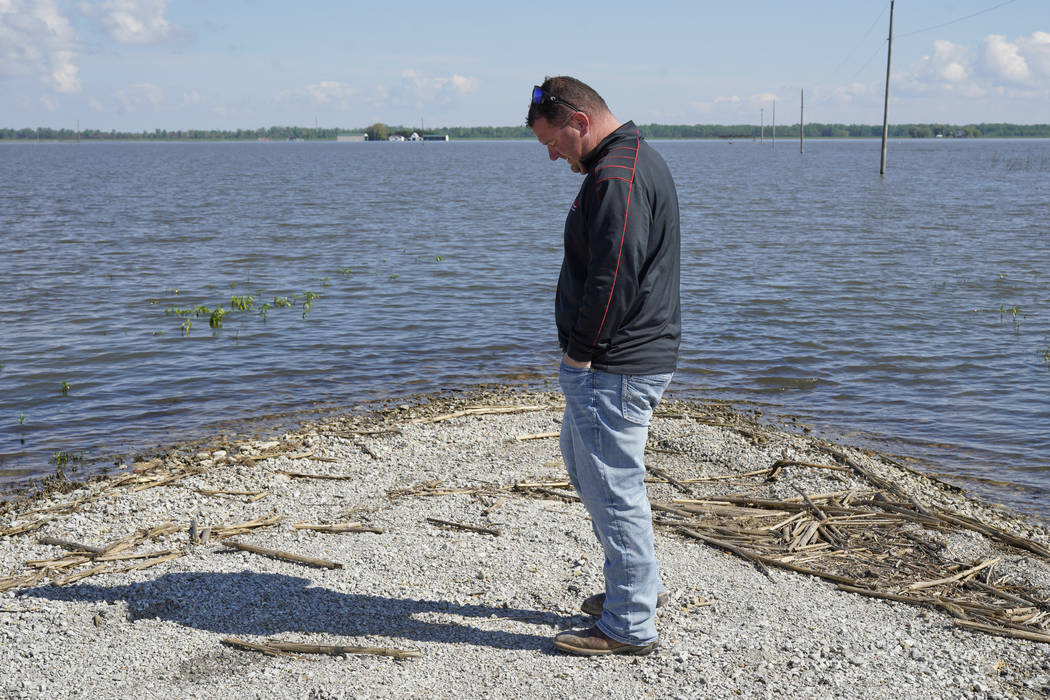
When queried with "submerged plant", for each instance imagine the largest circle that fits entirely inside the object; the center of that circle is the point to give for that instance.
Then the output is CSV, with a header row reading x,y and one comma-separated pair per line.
x,y
21,418
65,387
61,459
186,326
308,298
282,301
216,317
242,303
1013,311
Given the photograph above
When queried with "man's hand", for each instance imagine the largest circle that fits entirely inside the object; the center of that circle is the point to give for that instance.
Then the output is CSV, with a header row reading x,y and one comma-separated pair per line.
x,y
573,363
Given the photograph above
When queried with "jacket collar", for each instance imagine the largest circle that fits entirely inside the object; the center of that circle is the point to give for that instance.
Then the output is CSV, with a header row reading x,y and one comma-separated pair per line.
x,y
626,130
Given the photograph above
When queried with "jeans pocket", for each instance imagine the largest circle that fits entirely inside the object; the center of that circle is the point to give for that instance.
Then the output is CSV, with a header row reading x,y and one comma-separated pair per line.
x,y
640,395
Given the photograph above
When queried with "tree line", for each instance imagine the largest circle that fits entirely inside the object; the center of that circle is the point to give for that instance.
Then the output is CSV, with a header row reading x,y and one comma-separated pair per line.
x,y
381,131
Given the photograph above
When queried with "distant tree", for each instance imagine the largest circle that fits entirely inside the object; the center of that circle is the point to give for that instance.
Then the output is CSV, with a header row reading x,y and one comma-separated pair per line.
x,y
377,132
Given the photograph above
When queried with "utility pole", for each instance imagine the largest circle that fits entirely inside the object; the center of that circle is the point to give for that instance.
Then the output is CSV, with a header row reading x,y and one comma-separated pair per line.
x,y
802,121
886,105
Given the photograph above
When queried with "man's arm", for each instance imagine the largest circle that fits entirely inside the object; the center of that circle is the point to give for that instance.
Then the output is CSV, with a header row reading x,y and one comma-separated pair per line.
x,y
618,230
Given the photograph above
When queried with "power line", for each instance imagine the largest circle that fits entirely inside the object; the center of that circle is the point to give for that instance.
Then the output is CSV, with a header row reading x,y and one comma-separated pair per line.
x,y
858,43
960,19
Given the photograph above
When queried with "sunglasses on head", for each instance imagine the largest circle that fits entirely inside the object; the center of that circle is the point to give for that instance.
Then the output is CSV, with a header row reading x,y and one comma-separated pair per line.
x,y
539,96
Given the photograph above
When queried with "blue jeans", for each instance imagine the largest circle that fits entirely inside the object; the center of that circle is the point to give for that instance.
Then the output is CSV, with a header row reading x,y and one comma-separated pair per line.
x,y
603,436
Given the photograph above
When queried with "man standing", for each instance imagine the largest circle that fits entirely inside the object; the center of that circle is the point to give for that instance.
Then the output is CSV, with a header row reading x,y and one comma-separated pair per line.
x,y
619,325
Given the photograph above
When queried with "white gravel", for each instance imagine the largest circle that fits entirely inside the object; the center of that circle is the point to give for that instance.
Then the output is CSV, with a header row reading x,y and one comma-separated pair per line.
x,y
480,609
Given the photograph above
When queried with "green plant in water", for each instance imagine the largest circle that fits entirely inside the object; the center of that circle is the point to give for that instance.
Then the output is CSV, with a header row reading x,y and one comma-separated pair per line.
x,y
308,298
345,271
201,310
186,326
263,309
65,387
282,301
1013,311
62,459
324,281
21,418
242,303
216,317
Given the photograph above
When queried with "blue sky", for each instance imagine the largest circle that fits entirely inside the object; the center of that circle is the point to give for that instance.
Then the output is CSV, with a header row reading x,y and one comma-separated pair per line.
x,y
135,65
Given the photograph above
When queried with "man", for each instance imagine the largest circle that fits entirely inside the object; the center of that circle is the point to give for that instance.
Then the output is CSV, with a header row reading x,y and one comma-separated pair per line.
x,y
619,325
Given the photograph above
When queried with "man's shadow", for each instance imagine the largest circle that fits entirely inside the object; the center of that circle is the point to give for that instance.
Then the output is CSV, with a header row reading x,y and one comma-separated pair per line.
x,y
249,603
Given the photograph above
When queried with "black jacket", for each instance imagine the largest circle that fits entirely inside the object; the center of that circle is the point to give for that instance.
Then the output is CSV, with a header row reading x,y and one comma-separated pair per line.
x,y
617,303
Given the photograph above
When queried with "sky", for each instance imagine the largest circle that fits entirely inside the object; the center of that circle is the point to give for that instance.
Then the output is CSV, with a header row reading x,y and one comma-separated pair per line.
x,y
140,65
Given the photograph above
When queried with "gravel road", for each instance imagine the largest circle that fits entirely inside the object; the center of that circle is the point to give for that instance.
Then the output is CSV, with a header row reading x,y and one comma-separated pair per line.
x,y
474,609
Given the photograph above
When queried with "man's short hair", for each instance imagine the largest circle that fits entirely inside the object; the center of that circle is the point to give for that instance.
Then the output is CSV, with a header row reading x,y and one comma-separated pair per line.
x,y
564,89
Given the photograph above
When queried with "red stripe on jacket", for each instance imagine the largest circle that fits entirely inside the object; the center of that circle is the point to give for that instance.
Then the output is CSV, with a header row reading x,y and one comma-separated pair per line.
x,y
623,232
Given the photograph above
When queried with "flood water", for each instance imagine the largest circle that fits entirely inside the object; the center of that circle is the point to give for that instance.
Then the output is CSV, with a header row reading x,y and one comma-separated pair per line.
x,y
909,312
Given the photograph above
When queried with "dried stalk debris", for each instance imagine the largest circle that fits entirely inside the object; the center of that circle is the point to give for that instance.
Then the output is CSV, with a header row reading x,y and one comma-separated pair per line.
x,y
462,526
276,647
285,556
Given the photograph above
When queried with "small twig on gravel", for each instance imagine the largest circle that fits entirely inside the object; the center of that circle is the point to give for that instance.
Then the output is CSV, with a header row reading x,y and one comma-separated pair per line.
x,y
478,411
276,646
70,545
950,579
1004,631
669,479
228,492
536,436
304,475
286,556
337,528
461,526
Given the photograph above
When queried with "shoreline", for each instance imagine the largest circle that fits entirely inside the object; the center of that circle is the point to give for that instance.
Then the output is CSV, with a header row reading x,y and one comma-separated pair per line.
x,y
454,537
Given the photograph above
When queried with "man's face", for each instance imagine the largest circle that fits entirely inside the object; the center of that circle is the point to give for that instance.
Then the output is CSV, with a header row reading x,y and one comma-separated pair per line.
x,y
561,141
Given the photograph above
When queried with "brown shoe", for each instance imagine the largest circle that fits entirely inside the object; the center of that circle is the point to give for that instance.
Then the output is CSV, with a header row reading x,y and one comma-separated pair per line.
x,y
593,642
595,604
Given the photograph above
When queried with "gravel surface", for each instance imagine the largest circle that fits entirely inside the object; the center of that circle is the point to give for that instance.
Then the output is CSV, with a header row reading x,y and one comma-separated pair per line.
x,y
479,608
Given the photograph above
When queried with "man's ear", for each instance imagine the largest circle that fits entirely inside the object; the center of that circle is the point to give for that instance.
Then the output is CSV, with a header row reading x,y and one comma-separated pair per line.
x,y
581,122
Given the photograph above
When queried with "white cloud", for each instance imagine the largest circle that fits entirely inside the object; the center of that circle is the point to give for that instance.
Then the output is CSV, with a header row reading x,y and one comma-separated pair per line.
x,y
133,21
1036,50
949,61
330,91
732,99
464,86
37,39
1003,59
326,92
142,95
418,88
948,65
64,72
